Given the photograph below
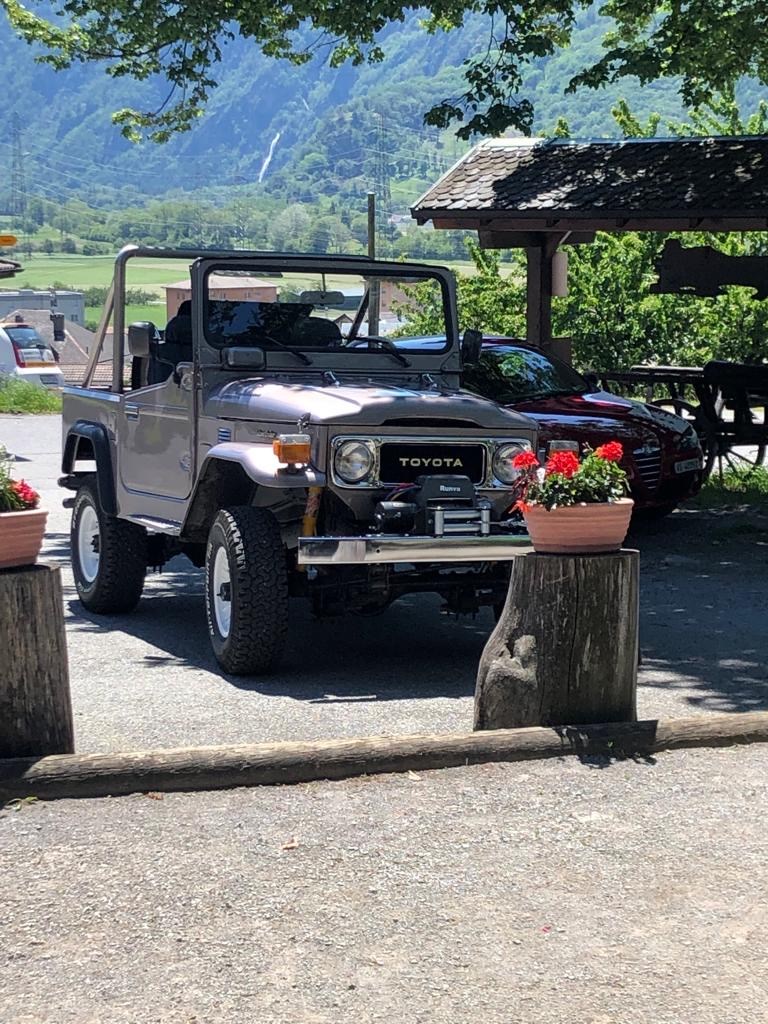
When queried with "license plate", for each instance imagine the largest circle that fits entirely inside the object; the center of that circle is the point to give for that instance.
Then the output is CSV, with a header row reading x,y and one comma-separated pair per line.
x,y
564,446
688,466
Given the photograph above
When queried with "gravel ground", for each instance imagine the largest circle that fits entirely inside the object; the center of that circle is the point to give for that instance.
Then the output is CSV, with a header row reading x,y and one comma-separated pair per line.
x,y
149,680
550,892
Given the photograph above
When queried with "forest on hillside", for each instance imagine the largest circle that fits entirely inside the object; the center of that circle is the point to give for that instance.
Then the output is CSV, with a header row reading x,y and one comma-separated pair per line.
x,y
283,157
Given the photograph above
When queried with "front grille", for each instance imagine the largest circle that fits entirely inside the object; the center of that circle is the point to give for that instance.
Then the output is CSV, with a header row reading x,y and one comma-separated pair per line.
x,y
404,461
648,466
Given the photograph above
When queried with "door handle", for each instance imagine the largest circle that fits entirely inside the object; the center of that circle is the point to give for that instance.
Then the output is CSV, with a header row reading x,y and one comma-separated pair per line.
x,y
131,412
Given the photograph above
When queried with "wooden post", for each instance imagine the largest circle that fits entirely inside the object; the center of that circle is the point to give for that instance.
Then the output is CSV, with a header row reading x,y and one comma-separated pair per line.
x,y
35,707
564,651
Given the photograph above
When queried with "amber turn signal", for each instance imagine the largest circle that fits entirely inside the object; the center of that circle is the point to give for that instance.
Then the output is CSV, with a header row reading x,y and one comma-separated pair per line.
x,y
292,448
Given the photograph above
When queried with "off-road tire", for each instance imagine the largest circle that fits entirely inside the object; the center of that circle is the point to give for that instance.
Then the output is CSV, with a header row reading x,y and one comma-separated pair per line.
x,y
122,567
259,590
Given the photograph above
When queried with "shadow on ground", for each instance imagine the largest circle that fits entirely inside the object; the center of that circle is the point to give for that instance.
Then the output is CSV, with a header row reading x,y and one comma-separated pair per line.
x,y
704,605
411,651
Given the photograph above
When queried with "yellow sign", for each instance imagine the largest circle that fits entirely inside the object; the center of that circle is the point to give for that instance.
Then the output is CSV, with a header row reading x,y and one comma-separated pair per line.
x,y
8,239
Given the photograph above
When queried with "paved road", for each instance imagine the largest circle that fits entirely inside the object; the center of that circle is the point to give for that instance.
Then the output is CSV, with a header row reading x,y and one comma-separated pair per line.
x,y
149,680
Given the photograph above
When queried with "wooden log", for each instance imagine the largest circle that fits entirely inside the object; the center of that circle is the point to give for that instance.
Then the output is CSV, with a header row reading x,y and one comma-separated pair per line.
x,y
267,764
565,647
35,706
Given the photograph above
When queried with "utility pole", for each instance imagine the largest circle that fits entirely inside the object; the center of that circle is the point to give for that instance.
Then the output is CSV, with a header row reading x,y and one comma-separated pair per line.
x,y
18,183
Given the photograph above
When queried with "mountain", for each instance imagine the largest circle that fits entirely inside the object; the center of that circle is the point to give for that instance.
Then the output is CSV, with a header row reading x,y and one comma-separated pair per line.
x,y
284,132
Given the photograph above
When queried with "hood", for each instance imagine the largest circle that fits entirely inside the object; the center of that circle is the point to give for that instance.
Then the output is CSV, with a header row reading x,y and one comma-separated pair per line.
x,y
359,405
603,411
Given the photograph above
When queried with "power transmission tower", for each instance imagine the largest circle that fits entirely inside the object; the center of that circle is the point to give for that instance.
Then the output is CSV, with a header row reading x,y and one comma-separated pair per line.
x,y
381,177
18,181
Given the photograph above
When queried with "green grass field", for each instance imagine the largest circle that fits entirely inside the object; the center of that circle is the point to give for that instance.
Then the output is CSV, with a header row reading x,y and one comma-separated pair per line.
x,y
96,271
82,272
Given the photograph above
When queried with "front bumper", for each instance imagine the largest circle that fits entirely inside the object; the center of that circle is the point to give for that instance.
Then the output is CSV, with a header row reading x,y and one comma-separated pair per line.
x,y
393,549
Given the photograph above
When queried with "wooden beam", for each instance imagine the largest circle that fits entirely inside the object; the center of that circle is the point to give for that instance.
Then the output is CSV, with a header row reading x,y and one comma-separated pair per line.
x,y
610,221
538,318
525,239
270,764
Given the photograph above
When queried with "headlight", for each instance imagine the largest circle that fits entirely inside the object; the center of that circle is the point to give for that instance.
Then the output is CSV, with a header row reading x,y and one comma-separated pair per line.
x,y
689,438
502,462
353,461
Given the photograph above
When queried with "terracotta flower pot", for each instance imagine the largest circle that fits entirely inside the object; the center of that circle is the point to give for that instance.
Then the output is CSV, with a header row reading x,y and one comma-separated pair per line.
x,y
579,529
21,537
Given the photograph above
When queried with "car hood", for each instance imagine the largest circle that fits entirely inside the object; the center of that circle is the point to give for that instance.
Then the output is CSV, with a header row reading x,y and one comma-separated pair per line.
x,y
601,410
369,405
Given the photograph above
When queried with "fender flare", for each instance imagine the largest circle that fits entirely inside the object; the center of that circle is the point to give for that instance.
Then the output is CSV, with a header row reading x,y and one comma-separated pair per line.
x,y
231,471
262,466
96,434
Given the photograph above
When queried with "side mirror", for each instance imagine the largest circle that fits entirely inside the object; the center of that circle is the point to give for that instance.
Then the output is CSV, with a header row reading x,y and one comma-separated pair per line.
x,y
592,379
471,344
139,336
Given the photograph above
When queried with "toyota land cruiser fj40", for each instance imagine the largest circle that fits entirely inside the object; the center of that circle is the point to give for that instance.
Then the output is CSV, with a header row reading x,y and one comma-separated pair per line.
x,y
290,448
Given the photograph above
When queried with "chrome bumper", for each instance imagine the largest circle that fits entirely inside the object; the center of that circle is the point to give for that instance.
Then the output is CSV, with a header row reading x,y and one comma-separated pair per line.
x,y
378,549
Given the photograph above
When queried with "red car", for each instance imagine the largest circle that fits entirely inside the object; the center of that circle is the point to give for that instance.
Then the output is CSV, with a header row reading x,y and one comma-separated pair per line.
x,y
662,454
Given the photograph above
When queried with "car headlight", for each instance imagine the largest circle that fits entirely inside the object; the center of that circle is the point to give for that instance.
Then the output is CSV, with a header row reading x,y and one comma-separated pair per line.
x,y
689,438
353,461
503,469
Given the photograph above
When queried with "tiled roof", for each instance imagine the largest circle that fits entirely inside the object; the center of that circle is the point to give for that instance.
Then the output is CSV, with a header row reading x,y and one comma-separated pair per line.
x,y
226,281
102,374
685,177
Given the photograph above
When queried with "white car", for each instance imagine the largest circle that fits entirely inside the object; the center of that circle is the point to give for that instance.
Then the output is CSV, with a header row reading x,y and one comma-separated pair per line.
x,y
24,354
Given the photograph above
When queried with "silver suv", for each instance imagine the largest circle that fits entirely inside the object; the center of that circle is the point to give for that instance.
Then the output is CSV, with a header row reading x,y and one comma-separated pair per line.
x,y
285,432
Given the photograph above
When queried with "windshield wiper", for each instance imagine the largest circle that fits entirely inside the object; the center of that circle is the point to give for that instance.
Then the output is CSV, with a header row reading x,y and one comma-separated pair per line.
x,y
296,353
390,349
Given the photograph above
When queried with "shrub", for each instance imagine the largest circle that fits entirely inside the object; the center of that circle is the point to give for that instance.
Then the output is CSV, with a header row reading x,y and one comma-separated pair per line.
x,y
21,396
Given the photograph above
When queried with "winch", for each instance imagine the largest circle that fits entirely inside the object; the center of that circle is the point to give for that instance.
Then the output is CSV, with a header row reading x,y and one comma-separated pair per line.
x,y
435,506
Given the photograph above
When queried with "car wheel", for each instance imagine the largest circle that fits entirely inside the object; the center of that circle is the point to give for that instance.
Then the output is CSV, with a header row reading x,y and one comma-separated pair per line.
x,y
246,590
109,556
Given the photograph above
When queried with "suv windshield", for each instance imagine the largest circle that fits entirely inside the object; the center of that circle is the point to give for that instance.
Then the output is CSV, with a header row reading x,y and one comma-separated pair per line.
x,y
511,373
314,312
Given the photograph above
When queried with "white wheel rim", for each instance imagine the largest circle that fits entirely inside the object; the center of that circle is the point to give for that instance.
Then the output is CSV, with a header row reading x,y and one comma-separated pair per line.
x,y
222,592
88,542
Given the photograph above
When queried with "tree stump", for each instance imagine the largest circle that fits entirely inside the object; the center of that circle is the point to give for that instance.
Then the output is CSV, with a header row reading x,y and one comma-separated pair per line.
x,y
35,706
564,651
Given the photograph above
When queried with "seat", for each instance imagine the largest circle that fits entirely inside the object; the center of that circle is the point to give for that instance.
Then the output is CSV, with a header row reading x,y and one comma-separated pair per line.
x,y
175,347
316,332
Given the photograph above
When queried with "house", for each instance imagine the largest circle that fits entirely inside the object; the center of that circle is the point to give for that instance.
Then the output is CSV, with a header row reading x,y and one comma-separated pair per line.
x,y
70,303
220,286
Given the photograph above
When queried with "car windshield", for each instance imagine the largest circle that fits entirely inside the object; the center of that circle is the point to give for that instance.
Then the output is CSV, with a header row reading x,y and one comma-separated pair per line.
x,y
313,312
511,373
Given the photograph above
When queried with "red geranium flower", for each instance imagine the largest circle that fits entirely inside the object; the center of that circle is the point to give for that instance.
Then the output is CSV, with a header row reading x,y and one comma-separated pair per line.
x,y
564,463
525,460
610,452
26,494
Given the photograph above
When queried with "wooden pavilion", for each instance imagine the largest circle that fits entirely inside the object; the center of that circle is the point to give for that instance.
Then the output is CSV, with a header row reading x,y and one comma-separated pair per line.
x,y
539,195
